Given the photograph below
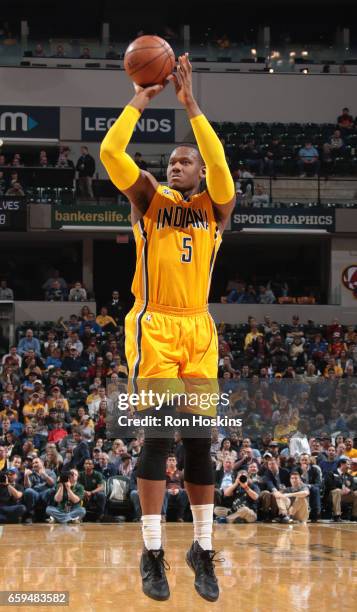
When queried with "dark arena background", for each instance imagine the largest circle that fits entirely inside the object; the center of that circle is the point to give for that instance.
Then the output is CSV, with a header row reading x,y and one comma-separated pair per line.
x,y
278,82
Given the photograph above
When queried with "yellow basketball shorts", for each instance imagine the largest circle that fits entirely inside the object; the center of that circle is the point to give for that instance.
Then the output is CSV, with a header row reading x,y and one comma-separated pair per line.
x,y
174,349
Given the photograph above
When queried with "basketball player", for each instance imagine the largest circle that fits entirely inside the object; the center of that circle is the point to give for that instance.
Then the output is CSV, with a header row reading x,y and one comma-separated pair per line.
x,y
169,331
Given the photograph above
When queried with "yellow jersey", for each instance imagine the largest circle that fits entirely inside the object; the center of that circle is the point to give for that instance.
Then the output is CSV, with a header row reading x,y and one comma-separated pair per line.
x,y
176,246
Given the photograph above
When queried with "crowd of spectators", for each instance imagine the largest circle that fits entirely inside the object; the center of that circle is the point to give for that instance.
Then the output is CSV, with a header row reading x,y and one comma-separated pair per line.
x,y
273,291
272,154
13,180
293,458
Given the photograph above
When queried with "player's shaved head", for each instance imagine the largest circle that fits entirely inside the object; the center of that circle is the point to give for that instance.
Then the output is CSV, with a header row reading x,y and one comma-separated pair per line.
x,y
184,148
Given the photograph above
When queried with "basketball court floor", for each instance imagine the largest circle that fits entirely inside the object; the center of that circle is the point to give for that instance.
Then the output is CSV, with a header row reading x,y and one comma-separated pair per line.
x,y
264,567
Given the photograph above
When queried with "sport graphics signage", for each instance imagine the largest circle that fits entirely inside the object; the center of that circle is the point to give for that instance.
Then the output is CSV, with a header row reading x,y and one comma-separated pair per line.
x,y
13,214
154,125
282,218
29,122
113,215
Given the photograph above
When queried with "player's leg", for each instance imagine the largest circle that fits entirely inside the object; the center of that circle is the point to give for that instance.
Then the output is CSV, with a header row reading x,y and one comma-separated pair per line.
x,y
199,484
199,372
145,352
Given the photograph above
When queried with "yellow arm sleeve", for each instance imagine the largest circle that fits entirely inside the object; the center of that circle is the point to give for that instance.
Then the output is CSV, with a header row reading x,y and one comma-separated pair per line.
x,y
121,168
219,180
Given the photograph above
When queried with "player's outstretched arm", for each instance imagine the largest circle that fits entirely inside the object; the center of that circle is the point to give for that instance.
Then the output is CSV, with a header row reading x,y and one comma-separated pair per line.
x,y
219,180
139,186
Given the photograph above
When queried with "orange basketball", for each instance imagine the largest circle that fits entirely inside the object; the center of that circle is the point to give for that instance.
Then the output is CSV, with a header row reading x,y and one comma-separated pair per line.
x,y
149,60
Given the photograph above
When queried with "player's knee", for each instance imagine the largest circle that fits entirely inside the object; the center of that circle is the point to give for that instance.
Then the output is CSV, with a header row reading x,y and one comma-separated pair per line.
x,y
198,462
152,459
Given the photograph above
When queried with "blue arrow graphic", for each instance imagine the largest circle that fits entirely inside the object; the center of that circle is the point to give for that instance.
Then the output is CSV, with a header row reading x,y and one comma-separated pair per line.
x,y
31,123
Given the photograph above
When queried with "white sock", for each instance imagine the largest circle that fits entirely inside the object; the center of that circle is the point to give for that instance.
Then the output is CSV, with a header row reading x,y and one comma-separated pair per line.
x,y
202,525
151,530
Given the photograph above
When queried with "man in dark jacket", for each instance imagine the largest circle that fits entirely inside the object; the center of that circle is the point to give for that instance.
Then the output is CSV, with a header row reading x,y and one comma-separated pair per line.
x,y
275,480
80,452
85,168
341,489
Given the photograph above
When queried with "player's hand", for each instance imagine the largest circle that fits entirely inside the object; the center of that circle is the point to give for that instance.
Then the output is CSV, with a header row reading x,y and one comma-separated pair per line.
x,y
182,80
143,95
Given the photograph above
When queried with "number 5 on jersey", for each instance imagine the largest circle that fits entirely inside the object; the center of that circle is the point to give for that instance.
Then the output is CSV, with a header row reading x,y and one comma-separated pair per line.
x,y
186,257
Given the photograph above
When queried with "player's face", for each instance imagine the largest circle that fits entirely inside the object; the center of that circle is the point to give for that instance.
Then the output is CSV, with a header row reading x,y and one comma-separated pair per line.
x,y
185,169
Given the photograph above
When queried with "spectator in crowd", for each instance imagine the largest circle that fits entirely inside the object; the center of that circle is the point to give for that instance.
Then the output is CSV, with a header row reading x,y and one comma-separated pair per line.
x,y
273,158
260,199
39,51
243,495
350,451
77,293
55,293
55,277
60,52
116,308
15,190
16,160
94,496
80,451
276,479
67,507
6,294
308,162
341,489
39,484
4,459
311,475
111,53
105,321
253,157
293,501
333,148
225,477
43,161
29,343
104,467
138,158
85,53
328,464
345,121
63,160
11,495
95,328
86,169
265,296
176,496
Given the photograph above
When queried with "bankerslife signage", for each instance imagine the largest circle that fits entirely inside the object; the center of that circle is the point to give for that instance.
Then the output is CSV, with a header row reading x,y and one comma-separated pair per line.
x,y
105,216
273,218
155,125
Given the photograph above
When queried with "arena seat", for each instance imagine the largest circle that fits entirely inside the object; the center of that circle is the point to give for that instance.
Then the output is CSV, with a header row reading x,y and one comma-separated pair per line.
x,y
119,507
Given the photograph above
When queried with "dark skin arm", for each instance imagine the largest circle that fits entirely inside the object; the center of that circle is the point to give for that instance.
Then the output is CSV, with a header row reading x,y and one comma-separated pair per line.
x,y
144,189
142,192
183,85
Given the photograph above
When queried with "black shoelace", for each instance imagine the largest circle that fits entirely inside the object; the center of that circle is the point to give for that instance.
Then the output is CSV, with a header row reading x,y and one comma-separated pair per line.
x,y
158,564
208,560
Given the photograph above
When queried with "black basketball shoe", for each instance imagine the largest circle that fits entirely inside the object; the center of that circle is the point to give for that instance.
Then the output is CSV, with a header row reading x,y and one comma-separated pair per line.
x,y
152,569
202,563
